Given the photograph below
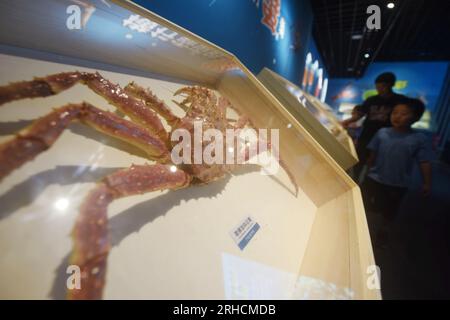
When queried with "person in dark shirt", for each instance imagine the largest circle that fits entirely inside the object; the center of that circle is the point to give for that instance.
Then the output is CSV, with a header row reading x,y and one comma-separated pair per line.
x,y
377,110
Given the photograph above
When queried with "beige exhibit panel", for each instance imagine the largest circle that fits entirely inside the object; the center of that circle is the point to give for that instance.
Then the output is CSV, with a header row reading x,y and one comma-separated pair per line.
x,y
168,244
316,118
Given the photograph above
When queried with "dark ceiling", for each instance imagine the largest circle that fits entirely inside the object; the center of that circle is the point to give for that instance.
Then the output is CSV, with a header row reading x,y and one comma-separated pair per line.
x,y
414,30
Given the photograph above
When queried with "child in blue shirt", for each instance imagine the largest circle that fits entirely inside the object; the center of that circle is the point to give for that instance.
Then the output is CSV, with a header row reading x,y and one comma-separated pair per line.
x,y
394,151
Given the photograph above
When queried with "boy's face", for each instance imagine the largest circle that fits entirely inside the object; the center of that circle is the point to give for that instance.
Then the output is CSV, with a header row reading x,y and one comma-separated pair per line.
x,y
402,116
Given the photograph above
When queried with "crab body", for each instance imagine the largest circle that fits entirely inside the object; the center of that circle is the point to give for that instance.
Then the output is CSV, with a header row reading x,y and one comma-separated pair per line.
x,y
144,130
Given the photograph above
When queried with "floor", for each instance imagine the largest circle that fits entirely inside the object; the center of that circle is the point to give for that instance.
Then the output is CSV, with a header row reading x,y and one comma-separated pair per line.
x,y
416,262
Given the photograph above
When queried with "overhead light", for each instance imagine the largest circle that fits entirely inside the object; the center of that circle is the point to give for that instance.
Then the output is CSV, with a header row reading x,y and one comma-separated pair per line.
x,y
367,56
356,36
391,5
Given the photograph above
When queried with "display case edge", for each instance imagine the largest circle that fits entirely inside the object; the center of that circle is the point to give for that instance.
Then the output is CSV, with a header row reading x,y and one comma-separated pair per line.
x,y
327,141
348,140
362,261
146,13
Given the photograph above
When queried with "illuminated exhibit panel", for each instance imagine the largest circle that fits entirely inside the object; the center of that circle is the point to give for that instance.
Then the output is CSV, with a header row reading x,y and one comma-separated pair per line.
x,y
317,119
204,241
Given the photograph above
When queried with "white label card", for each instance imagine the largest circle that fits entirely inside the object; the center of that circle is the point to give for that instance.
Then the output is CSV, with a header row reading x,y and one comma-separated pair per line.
x,y
244,232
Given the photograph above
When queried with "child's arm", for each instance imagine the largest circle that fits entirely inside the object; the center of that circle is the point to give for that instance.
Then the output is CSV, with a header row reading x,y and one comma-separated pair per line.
x,y
425,169
355,117
356,114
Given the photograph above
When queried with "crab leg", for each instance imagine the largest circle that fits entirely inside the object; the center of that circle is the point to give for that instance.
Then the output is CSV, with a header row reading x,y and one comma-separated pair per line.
x,y
41,135
246,151
35,139
253,148
152,101
39,87
134,108
90,233
200,101
114,94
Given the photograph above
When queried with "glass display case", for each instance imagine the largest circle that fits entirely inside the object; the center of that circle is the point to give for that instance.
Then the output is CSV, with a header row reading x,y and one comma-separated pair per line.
x,y
317,118
90,92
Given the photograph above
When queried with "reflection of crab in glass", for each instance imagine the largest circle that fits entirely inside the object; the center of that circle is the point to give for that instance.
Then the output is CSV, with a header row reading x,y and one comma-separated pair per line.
x,y
221,65
145,131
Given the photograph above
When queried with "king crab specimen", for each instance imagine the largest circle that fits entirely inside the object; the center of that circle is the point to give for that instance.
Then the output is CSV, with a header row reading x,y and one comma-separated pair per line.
x,y
91,244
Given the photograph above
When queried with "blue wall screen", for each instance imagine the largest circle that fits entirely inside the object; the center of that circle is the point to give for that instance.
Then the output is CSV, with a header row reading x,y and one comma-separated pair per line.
x,y
236,26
